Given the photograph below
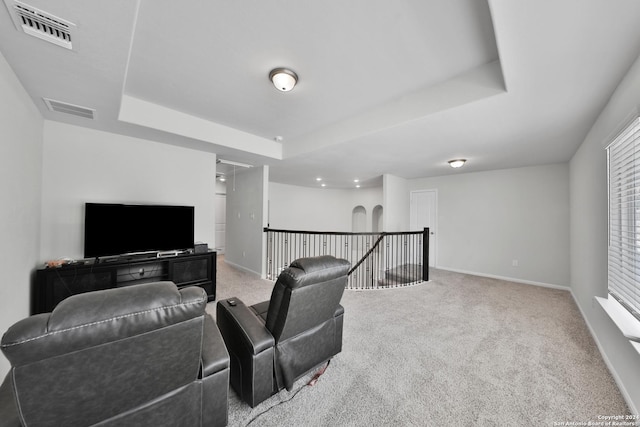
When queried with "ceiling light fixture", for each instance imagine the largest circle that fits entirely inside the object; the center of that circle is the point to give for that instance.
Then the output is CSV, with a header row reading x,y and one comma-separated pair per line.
x,y
283,79
232,163
457,163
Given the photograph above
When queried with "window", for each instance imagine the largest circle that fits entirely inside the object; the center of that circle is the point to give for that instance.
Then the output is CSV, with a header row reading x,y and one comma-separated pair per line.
x,y
623,164
623,156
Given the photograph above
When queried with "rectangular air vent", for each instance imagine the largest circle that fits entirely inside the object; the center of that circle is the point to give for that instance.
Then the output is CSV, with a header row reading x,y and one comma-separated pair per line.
x,y
63,107
40,24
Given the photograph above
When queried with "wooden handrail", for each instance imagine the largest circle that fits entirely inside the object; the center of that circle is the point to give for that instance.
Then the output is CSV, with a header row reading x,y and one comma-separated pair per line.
x,y
341,233
375,245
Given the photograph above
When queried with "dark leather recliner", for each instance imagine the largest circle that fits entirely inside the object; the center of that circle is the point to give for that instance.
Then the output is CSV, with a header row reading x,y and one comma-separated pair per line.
x,y
143,355
275,342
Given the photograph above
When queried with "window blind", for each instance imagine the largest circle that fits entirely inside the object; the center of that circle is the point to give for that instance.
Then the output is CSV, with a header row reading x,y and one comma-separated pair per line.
x,y
623,156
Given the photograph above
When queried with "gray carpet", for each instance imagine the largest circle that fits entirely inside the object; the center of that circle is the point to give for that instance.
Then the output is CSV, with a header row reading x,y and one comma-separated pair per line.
x,y
458,350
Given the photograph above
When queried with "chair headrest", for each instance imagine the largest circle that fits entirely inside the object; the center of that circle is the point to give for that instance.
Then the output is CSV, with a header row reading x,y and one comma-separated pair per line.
x,y
94,318
305,271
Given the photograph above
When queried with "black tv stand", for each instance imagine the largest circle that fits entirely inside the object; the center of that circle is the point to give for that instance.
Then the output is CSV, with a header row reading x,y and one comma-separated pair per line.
x,y
53,284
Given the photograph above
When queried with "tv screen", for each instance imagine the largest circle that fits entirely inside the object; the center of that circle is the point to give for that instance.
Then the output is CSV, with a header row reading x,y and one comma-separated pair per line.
x,y
118,229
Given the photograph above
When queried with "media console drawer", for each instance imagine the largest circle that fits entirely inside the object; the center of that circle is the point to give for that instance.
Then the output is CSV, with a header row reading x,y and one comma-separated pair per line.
x,y
52,285
152,272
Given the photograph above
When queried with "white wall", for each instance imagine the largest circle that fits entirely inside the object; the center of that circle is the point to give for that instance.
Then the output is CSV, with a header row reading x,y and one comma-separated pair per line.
x,y
396,203
20,190
293,207
84,165
589,235
246,200
488,219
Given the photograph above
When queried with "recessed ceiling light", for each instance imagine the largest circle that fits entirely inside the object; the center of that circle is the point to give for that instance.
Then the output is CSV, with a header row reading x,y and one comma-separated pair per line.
x,y
324,185
283,79
318,179
457,163
358,186
356,180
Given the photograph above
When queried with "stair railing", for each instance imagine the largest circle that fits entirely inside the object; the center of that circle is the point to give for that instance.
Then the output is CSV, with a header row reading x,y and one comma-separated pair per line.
x,y
379,260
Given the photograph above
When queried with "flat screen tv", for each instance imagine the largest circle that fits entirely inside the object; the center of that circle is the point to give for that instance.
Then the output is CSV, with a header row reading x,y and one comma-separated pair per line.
x,y
118,229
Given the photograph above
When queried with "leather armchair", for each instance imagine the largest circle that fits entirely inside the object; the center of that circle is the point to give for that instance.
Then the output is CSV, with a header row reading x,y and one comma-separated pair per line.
x,y
275,342
143,355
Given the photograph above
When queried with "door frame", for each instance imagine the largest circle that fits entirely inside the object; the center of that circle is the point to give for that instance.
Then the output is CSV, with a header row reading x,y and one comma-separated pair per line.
x,y
433,229
216,200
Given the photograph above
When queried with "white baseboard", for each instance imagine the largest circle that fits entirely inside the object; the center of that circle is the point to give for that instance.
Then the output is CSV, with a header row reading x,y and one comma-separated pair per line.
x,y
243,268
607,362
508,279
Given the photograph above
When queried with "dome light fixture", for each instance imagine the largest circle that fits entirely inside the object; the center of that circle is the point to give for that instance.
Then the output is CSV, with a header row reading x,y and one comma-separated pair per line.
x,y
283,79
457,163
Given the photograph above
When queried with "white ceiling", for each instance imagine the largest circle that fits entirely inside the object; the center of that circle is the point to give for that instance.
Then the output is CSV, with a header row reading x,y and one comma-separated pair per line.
x,y
385,87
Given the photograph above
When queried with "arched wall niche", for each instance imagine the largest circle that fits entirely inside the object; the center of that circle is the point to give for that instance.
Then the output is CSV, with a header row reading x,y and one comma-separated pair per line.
x,y
376,220
359,219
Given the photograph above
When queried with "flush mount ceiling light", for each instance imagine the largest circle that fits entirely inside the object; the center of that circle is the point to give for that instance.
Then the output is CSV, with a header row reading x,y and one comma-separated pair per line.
x,y
457,163
283,79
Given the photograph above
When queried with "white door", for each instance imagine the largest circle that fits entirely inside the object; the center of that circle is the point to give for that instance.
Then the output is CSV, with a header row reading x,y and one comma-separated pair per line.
x,y
424,213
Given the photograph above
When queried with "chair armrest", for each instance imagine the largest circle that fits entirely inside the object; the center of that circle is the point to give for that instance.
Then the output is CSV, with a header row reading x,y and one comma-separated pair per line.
x,y
240,325
215,357
8,411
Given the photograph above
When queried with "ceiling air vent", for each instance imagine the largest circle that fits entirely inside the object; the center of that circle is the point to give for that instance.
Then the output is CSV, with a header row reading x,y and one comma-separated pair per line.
x,y
40,24
63,107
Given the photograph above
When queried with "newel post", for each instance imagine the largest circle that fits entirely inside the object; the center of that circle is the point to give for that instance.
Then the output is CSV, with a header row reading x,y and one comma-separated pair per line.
x,y
425,254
